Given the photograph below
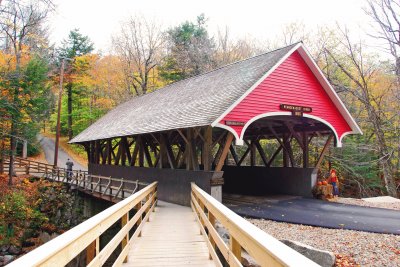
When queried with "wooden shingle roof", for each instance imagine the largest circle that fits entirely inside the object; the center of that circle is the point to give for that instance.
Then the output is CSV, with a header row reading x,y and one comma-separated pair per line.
x,y
193,102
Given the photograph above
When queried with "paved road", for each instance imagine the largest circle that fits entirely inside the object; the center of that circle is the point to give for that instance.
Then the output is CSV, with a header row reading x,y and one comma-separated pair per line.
x,y
48,145
322,213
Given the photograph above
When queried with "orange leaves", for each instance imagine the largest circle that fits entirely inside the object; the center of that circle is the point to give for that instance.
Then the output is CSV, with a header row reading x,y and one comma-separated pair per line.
x,y
345,261
104,103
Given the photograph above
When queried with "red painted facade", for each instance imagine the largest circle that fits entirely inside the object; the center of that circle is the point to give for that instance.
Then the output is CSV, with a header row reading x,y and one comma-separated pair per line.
x,y
291,83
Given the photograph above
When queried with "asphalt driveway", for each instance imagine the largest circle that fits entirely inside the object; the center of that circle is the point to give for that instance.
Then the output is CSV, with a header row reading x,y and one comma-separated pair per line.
x,y
320,213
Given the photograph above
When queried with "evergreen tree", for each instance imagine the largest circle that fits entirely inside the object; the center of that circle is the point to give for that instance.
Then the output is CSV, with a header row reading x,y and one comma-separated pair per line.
x,y
76,45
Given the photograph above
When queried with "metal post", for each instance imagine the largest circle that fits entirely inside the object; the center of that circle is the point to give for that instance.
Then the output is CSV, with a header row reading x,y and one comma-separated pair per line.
x,y
59,113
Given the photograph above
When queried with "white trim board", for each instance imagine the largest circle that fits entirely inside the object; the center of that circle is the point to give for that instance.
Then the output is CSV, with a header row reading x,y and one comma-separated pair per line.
x,y
240,141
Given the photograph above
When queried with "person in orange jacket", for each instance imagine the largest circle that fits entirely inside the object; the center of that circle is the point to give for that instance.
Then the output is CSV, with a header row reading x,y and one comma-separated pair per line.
x,y
334,181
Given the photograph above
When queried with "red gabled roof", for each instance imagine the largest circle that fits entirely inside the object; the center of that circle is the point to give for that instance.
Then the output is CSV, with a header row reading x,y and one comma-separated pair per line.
x,y
294,80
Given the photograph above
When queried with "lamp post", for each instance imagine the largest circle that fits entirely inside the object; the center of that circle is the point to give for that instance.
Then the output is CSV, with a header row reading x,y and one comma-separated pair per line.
x,y
59,110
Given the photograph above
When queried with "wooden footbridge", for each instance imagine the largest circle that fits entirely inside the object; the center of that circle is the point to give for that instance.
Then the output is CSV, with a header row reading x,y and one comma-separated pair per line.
x,y
155,233
107,188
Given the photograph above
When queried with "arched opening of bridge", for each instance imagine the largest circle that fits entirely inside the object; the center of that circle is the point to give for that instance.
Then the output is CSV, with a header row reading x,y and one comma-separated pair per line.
x,y
281,155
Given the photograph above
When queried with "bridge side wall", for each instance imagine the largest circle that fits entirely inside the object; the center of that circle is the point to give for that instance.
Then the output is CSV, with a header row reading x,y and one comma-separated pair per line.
x,y
249,180
173,185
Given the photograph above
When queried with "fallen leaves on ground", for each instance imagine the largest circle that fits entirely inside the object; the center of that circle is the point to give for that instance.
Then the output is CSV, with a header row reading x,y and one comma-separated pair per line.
x,y
345,261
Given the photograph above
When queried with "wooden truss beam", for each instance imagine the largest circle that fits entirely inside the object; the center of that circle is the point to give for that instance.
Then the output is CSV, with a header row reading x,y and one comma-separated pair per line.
x,y
324,150
244,156
261,152
224,153
274,156
234,155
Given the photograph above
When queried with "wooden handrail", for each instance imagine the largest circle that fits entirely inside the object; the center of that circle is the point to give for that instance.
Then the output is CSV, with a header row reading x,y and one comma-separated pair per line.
x,y
263,248
62,249
115,188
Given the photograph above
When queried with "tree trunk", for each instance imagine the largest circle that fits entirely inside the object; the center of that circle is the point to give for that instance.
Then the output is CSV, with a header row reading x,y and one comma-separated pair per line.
x,y
69,100
12,150
387,166
13,147
2,156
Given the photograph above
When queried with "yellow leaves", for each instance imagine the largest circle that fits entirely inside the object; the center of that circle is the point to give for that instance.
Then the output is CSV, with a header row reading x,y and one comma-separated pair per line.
x,y
84,63
8,60
104,103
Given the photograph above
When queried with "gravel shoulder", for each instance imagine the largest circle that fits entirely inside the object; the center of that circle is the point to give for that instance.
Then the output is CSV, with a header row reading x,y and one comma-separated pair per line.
x,y
361,202
367,249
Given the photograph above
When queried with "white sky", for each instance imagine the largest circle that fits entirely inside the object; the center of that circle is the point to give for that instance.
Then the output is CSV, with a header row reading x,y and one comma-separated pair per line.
x,y
262,20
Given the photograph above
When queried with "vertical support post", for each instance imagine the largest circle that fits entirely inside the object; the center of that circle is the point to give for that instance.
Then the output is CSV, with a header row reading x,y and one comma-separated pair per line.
x,y
236,248
253,153
206,151
211,218
285,151
305,150
92,250
27,166
122,188
125,240
109,151
155,198
192,159
100,185
189,150
148,207
138,207
201,204
97,151
163,153
123,150
141,153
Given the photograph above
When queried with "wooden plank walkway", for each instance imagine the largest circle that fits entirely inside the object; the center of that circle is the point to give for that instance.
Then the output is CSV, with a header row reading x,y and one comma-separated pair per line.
x,y
171,238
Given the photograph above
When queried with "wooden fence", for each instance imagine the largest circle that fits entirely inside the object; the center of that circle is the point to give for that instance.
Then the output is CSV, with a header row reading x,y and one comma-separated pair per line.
x,y
64,248
263,248
111,189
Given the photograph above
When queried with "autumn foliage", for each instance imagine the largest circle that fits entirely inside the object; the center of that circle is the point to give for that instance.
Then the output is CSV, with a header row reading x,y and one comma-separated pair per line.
x,y
31,207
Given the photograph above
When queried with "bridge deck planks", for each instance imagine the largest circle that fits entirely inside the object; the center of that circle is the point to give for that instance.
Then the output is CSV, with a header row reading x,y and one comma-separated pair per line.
x,y
171,238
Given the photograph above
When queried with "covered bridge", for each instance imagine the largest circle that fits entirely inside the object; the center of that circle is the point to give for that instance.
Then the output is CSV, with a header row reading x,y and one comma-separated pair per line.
x,y
263,112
